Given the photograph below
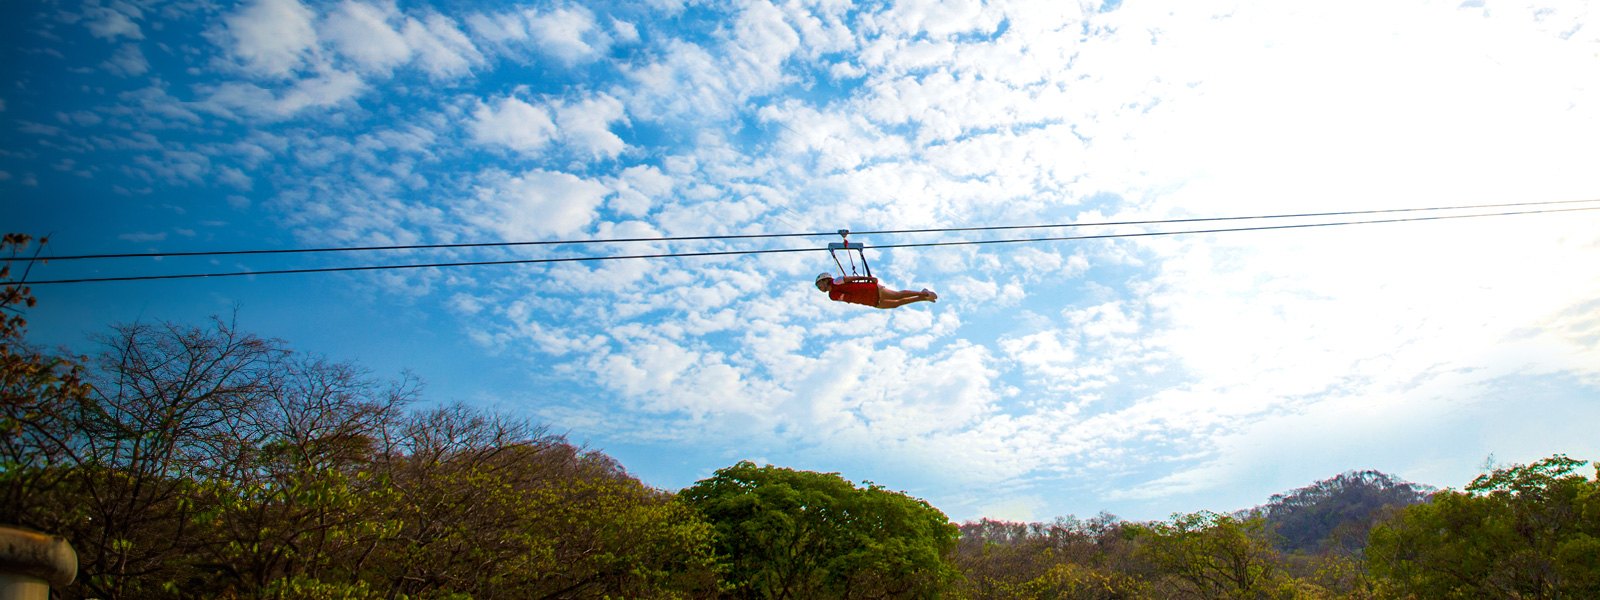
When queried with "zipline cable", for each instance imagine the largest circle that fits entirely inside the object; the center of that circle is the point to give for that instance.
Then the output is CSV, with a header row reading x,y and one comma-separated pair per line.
x,y
816,234
786,250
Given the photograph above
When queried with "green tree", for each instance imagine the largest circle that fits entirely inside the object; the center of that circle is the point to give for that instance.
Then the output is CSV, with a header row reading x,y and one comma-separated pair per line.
x,y
1064,559
1524,531
495,508
296,498
783,534
1074,581
1215,556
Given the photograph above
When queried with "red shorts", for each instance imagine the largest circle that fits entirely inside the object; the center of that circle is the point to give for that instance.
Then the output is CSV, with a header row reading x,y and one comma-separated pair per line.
x,y
855,290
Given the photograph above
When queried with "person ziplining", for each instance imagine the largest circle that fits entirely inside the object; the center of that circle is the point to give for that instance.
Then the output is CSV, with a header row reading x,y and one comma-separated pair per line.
x,y
863,289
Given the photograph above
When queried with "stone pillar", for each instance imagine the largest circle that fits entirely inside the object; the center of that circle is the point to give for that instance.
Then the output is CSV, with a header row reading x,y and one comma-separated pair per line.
x,y
31,562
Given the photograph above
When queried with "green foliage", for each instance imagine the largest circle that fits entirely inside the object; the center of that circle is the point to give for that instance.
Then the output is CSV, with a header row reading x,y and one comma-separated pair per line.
x,y
546,520
782,533
1065,559
1214,556
1524,531
1073,581
306,588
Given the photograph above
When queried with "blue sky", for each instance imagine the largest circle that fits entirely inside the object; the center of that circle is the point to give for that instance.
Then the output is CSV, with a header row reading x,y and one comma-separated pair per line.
x,y
1144,376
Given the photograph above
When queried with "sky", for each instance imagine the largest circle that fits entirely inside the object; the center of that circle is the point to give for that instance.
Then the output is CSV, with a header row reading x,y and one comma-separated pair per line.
x,y
1144,376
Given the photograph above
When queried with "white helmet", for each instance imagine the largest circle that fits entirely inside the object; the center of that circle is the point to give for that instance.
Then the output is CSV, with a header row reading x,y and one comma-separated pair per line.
x,y
822,276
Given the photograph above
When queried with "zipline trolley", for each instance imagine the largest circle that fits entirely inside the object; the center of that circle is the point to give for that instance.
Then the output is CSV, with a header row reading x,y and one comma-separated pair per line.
x,y
852,276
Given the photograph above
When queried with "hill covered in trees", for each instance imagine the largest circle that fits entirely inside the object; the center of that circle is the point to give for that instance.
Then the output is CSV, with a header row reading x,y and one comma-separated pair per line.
x,y
187,461
1338,511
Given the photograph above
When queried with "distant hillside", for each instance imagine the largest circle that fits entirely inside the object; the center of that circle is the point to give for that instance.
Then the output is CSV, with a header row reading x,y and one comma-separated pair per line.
x,y
1337,511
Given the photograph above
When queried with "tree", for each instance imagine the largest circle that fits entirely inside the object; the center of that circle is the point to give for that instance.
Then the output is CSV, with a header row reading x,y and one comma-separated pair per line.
x,y
168,416
1524,531
1064,559
1075,581
205,462
783,534
39,393
292,497
496,508
1215,556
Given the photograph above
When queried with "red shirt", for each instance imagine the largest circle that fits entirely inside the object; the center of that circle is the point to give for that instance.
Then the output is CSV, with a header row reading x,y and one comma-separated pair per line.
x,y
855,290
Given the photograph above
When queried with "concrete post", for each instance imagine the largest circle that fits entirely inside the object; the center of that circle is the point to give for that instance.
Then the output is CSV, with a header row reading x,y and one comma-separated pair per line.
x,y
31,562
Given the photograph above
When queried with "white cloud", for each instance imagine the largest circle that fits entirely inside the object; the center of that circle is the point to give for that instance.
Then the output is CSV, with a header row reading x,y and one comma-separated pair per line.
x,y
328,89
177,167
31,128
686,82
851,396
568,34
80,117
154,102
234,178
536,204
1045,353
128,61
626,32
514,124
939,19
969,289
560,33
583,126
842,140
441,48
114,21
271,37
696,82
466,303
586,125
497,29
361,31
762,41
653,370
822,28
379,38
141,236
1103,322
637,188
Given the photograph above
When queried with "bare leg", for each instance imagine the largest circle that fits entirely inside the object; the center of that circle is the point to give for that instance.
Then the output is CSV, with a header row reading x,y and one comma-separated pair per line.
x,y
888,298
897,303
